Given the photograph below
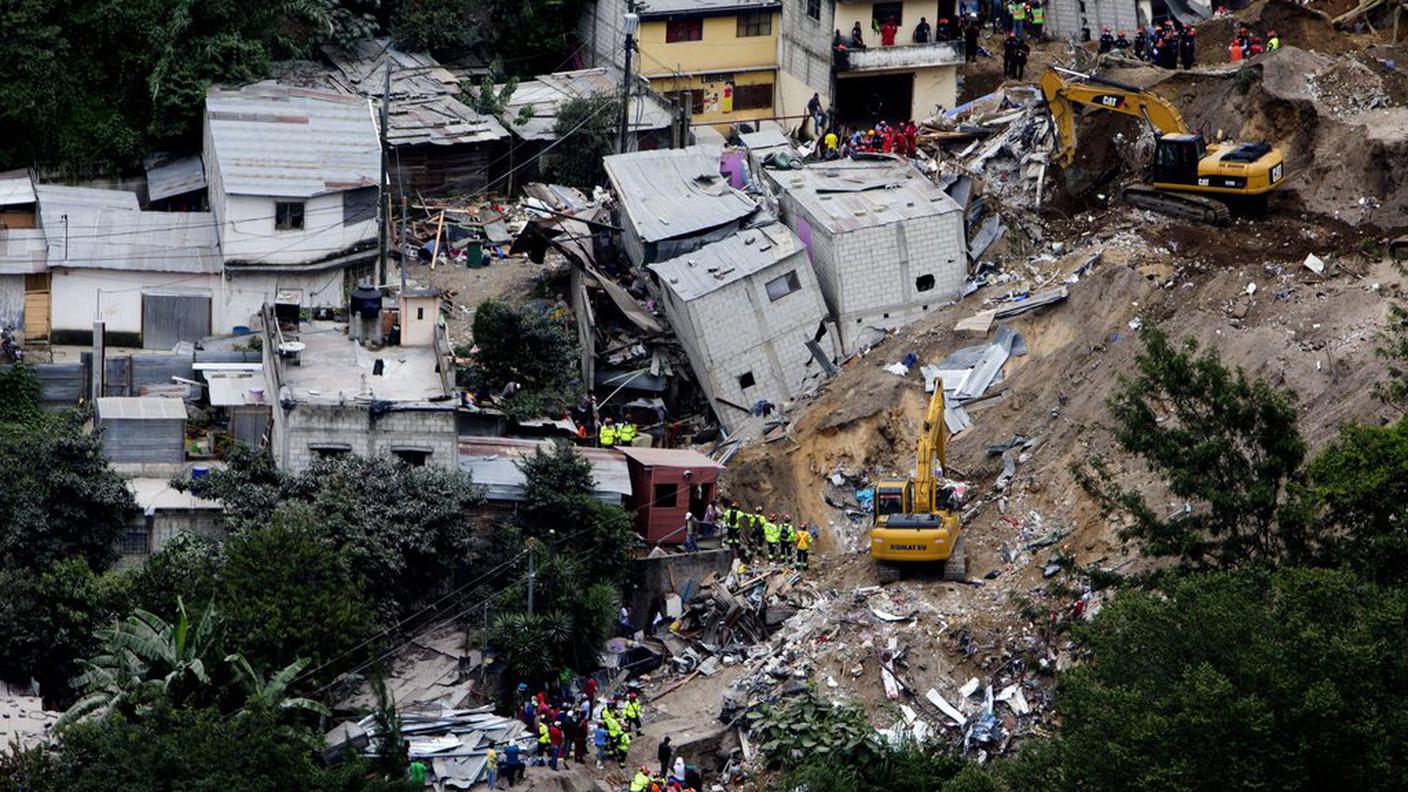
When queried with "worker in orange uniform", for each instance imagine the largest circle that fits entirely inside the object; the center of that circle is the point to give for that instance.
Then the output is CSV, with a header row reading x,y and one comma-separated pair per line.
x,y
804,546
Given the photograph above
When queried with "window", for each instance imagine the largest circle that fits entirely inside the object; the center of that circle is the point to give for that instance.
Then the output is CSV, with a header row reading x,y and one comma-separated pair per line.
x,y
329,450
746,381
696,101
782,286
814,9
924,283
880,12
666,495
759,24
420,312
288,215
684,30
752,97
359,206
135,540
415,457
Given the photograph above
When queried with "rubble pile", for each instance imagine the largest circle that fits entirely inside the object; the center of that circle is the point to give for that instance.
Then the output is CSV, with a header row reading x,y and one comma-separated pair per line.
x,y
453,743
1005,138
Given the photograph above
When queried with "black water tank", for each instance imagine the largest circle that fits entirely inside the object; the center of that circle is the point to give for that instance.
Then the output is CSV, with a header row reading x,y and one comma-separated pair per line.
x,y
365,302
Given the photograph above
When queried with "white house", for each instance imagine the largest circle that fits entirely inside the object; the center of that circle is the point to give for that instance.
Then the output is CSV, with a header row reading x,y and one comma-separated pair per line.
x,y
293,176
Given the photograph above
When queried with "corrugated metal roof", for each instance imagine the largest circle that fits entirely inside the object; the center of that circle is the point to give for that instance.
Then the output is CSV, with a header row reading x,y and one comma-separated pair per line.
x,y
548,92
16,187
670,457
168,177
855,194
764,139
140,408
22,251
717,265
675,192
104,229
425,108
493,463
274,140
658,8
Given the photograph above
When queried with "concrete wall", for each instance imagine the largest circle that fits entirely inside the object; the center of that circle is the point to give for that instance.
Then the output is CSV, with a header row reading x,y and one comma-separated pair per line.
x,y
721,48
713,85
1064,18
247,230
600,29
166,525
935,86
804,57
299,431
82,295
737,329
651,578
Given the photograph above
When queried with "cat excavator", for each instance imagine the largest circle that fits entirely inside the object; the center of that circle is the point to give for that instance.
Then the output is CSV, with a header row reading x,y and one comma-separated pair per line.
x,y
1189,177
915,521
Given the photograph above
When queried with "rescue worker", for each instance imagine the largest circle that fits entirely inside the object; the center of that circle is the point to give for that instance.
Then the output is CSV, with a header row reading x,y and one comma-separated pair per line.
x,y
626,433
641,781
1107,41
1020,63
613,726
1244,40
857,41
970,41
887,32
623,746
1255,49
1187,46
1141,43
1009,56
544,744
922,31
733,519
632,713
1038,19
944,32
1234,51
789,540
772,535
804,547
759,531
607,436
1121,43
1018,9
1273,41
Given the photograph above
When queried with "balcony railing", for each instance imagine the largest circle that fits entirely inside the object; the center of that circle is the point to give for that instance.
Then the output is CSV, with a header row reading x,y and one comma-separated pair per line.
x,y
905,56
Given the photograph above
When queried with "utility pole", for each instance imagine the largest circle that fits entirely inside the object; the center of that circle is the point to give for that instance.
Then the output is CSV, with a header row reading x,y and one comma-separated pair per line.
x,y
632,22
530,582
385,177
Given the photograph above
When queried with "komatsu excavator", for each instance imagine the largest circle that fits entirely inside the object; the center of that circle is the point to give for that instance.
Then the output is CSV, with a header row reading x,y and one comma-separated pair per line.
x,y
916,520
1189,177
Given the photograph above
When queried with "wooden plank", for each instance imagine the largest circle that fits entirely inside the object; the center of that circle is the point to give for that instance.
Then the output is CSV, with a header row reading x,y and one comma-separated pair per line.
x,y
435,250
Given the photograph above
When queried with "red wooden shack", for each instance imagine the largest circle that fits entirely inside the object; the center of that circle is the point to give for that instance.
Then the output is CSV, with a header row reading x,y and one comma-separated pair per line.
x,y
666,483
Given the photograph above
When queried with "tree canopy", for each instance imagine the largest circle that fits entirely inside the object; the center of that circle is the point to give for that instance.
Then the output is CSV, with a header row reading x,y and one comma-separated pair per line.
x,y
535,352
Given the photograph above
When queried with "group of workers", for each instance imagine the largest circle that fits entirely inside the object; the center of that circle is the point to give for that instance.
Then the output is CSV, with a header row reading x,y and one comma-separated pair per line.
x,y
563,724
614,434
1244,45
758,534
1020,18
901,138
1015,52
1162,45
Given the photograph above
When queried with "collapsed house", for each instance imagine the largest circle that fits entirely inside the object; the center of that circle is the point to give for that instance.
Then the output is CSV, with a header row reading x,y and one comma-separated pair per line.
x,y
673,202
751,319
533,108
886,243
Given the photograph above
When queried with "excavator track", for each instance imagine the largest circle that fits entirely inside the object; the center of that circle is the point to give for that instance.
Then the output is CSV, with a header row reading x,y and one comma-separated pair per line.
x,y
1186,206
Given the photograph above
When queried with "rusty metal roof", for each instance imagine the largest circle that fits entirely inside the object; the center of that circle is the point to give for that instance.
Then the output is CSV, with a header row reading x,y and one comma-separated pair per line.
x,y
276,140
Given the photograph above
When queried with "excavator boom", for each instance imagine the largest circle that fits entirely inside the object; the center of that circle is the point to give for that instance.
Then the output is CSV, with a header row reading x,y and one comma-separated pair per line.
x,y
1064,94
931,442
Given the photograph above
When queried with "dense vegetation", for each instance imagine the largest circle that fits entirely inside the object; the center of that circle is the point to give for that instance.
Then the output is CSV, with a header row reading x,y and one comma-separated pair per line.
x,y
99,83
526,360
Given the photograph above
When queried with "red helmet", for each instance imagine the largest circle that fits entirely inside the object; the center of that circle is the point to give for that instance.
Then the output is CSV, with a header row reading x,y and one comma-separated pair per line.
x,y
1120,34
1191,31
1107,29
943,20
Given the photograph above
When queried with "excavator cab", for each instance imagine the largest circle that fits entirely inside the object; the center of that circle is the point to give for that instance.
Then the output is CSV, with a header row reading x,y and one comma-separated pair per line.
x,y
1176,158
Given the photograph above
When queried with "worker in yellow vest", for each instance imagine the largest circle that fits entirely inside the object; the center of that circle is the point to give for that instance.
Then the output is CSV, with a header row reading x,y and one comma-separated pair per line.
x,y
626,433
1038,20
788,544
623,746
544,743
759,533
772,536
733,527
804,546
607,436
632,712
641,782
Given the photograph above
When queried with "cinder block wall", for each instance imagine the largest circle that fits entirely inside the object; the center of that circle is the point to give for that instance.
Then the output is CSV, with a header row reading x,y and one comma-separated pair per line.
x,y
1065,18
309,425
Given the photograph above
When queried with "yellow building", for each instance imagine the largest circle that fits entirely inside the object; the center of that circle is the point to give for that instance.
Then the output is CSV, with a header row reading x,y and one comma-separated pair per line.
x,y
720,56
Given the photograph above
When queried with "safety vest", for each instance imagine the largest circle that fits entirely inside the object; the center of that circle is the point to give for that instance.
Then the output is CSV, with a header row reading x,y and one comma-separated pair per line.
x,y
608,435
613,729
1273,44
759,521
633,709
626,433
789,533
623,742
1039,15
804,539
640,782
543,737
731,517
771,532
1019,11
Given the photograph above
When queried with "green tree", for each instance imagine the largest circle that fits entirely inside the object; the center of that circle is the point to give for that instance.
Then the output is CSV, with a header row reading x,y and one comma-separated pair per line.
x,y
439,27
558,506
1238,680
286,592
186,569
20,398
1393,348
589,128
1224,443
193,749
535,352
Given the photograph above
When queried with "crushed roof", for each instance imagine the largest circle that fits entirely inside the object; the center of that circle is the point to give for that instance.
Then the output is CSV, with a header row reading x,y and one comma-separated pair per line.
x,y
492,462
173,176
16,187
718,264
660,8
104,229
855,194
675,192
281,141
425,106
546,94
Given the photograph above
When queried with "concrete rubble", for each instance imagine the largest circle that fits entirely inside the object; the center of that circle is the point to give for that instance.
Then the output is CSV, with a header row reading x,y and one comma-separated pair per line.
x,y
453,743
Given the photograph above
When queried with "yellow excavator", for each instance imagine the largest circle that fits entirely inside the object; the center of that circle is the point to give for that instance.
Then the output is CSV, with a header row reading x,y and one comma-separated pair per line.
x,y
1189,177
915,521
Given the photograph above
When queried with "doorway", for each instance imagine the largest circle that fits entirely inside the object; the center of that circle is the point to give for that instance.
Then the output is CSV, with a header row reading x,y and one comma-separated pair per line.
x,y
862,101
